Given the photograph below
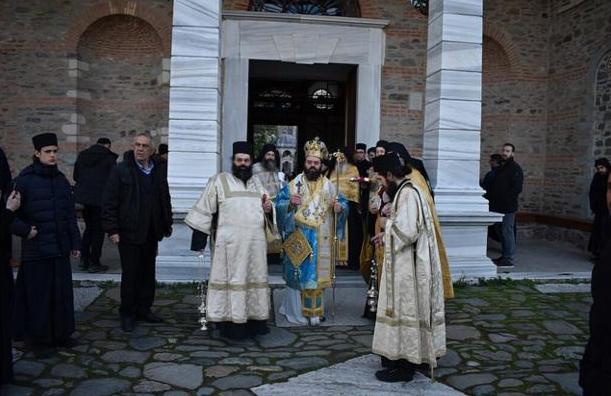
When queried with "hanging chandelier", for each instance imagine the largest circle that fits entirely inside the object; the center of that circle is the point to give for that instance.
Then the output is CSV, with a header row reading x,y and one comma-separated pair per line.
x,y
421,5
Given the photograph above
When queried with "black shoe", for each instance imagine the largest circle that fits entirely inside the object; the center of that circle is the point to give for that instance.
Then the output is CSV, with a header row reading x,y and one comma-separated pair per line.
x,y
387,363
67,343
98,268
43,352
504,263
395,374
127,324
150,317
84,266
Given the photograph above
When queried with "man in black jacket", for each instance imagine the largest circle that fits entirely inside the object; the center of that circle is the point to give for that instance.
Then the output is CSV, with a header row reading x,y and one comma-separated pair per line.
x,y
137,214
503,198
91,171
46,222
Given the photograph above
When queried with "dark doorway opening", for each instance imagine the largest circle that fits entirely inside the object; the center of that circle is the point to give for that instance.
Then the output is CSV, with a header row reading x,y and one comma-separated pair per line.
x,y
289,104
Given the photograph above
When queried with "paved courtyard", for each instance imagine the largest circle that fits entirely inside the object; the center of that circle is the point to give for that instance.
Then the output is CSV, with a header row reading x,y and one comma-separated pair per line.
x,y
504,338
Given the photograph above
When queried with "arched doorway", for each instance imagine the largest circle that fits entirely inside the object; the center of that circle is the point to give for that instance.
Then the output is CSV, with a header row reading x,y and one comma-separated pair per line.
x,y
602,108
121,84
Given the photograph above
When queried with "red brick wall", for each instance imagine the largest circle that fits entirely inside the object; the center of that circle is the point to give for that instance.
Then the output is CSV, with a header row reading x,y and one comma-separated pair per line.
x,y
38,41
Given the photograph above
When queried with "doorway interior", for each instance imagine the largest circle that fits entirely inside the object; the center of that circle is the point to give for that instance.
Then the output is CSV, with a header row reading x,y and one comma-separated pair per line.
x,y
289,104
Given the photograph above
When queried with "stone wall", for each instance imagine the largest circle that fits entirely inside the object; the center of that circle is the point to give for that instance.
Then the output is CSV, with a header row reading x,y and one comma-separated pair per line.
x,y
580,36
514,105
44,87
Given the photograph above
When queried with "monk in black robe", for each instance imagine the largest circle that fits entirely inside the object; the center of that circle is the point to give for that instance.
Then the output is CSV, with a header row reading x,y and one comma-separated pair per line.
x,y
595,370
598,206
6,274
46,222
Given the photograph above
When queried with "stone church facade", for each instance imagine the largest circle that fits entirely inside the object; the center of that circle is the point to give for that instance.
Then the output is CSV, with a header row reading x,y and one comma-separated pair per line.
x,y
452,86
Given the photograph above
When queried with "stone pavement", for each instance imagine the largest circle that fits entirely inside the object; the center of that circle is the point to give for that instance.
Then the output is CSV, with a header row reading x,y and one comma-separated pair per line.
x,y
504,338
356,377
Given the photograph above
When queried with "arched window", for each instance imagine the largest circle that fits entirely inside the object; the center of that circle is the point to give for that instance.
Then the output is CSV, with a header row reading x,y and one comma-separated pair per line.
x,y
348,8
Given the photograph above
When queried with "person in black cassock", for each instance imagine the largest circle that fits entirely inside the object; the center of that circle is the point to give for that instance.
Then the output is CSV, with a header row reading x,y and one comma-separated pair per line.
x,y
46,223
91,171
595,366
137,214
13,202
416,163
598,205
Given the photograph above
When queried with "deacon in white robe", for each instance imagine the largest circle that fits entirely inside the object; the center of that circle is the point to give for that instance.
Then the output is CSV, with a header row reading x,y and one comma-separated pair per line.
x,y
232,210
410,322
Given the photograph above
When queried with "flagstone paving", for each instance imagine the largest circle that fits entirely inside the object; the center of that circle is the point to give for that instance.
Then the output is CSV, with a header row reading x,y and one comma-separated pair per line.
x,y
504,338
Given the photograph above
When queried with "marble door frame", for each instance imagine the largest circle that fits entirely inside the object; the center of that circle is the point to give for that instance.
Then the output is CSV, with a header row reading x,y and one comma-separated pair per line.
x,y
299,39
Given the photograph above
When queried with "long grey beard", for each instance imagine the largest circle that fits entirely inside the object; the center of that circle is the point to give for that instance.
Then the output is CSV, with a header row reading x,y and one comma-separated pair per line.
x,y
270,165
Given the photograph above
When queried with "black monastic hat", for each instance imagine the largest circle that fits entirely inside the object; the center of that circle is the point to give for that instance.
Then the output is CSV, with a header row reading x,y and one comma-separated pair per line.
x,y
384,144
602,161
386,163
242,148
44,140
267,148
361,146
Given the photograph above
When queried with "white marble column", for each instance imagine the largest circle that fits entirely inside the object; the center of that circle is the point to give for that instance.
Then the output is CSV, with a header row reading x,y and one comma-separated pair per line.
x,y
452,127
193,138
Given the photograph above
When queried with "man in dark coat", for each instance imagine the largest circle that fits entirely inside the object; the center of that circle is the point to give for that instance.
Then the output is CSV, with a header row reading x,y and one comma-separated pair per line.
x,y
137,214
46,223
91,171
595,366
503,198
13,202
598,205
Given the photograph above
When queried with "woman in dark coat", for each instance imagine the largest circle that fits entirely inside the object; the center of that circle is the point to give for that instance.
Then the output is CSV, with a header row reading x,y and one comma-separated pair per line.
x,y
46,222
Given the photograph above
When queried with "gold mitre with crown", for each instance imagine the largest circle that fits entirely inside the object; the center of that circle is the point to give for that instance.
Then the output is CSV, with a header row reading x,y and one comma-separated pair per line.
x,y
316,148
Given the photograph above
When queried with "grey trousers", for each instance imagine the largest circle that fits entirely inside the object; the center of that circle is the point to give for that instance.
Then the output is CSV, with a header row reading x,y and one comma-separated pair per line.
x,y
506,230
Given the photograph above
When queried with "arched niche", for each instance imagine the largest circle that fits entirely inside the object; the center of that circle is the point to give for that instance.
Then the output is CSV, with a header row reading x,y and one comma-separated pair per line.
x,y
122,87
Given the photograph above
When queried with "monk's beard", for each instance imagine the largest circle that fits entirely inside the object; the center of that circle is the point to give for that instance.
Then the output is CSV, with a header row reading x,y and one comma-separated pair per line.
x,y
242,172
312,174
270,165
341,168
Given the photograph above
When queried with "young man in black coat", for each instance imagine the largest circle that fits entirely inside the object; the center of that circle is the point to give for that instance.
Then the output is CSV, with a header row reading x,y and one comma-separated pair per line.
x,y
137,214
503,198
46,223
91,171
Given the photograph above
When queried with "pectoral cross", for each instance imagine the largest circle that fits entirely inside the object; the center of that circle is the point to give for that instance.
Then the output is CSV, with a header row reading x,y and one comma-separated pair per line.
x,y
299,184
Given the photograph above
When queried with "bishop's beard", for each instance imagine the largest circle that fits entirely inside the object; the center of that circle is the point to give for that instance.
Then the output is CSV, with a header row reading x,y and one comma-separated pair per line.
x,y
312,174
242,172
270,165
